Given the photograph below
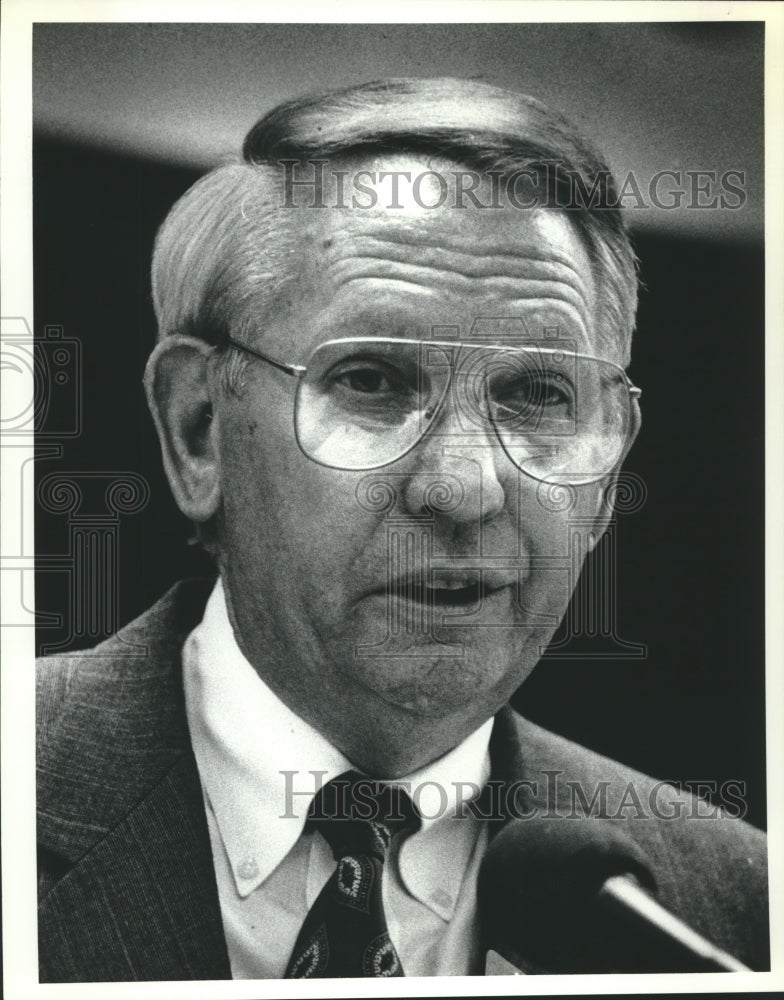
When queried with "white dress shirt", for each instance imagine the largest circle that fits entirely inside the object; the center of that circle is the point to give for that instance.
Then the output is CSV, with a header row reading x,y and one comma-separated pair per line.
x,y
269,868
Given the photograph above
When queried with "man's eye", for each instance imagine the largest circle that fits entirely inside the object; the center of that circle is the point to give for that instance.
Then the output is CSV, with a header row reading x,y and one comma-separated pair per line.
x,y
542,391
553,390
366,380
373,380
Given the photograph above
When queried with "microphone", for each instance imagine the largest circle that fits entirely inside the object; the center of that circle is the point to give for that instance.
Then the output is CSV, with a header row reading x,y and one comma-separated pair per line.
x,y
564,897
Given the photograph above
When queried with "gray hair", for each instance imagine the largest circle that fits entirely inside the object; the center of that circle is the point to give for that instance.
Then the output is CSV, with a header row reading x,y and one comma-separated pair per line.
x,y
225,253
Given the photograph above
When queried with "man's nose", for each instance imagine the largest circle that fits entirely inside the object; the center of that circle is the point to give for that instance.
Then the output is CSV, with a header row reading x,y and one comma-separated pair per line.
x,y
458,472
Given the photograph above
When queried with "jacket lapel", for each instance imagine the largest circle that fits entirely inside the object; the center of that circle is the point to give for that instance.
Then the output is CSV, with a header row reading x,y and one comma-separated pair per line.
x,y
142,904
121,807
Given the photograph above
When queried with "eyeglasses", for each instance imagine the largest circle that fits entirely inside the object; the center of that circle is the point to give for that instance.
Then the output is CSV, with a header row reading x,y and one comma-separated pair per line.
x,y
365,402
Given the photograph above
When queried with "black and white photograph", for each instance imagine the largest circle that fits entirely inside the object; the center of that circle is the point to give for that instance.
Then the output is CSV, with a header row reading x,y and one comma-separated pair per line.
x,y
390,500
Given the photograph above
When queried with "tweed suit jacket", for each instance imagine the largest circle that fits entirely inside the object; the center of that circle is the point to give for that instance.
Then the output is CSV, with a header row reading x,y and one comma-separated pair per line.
x,y
127,889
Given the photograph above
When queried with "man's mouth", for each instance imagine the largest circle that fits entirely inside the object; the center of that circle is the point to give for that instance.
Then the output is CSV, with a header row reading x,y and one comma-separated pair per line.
x,y
450,591
461,597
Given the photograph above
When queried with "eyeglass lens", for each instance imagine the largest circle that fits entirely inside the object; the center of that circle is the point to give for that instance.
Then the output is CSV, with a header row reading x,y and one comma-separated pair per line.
x,y
364,404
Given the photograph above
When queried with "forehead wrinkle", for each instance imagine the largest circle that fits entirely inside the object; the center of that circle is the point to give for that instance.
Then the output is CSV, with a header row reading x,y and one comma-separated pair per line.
x,y
469,259
546,291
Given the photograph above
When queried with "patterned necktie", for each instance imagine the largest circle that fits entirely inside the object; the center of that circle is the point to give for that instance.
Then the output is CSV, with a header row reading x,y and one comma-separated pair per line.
x,y
345,933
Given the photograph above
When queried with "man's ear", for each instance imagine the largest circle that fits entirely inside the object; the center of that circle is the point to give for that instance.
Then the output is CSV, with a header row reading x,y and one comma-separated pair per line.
x,y
606,497
179,394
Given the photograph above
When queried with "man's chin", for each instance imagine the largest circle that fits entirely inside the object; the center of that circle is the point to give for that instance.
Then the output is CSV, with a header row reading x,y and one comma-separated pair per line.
x,y
436,681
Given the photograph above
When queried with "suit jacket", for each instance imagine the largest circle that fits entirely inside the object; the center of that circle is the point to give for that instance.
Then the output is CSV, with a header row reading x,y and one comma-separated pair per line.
x,y
127,888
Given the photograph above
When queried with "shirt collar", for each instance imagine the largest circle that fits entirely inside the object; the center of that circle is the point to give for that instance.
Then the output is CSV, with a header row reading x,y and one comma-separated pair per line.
x,y
243,737
253,752
432,864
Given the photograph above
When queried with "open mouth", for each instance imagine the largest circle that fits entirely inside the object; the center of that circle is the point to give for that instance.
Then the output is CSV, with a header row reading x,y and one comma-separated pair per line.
x,y
448,596
449,592
454,597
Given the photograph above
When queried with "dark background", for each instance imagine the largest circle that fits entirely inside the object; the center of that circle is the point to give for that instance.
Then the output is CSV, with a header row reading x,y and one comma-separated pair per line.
x,y
690,561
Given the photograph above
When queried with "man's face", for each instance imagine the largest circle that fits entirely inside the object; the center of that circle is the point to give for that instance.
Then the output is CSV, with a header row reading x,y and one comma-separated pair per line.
x,y
355,594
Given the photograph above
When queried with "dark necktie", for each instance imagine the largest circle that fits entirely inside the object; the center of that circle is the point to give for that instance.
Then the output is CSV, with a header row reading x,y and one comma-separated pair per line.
x,y
345,932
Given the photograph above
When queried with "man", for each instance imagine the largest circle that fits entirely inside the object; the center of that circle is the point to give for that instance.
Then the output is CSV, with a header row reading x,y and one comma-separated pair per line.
x,y
390,374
